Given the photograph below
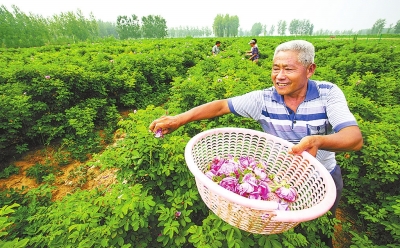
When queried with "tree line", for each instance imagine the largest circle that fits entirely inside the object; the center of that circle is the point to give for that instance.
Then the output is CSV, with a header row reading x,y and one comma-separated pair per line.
x,y
21,30
18,29
181,32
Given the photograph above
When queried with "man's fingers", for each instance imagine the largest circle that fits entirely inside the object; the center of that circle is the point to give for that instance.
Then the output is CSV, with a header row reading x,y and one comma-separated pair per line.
x,y
151,127
166,123
295,150
155,125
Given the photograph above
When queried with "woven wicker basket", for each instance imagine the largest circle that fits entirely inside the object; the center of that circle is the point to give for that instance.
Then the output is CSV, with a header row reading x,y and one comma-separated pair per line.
x,y
313,183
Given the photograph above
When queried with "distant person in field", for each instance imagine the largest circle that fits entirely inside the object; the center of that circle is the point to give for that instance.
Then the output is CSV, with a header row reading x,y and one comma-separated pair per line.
x,y
312,114
255,45
254,53
215,50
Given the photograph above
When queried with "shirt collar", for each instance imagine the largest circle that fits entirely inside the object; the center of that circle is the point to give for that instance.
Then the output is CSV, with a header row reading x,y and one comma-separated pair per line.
x,y
312,93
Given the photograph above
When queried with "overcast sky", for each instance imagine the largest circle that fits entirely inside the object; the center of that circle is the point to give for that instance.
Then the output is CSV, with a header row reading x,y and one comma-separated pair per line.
x,y
324,14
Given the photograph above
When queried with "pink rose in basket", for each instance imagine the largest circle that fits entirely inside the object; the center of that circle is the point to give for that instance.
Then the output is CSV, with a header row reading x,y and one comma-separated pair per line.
x,y
216,164
263,190
245,188
251,179
228,168
247,162
247,177
260,173
229,183
287,193
260,191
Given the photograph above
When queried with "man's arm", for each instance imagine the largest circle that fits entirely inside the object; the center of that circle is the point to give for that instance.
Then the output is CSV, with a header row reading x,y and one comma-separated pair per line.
x,y
347,139
206,111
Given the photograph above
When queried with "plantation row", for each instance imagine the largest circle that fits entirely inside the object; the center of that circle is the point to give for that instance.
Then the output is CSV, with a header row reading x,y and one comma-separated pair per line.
x,y
57,92
68,93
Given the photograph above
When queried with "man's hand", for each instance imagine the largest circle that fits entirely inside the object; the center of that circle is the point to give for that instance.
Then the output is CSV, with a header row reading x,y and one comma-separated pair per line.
x,y
168,124
347,139
308,144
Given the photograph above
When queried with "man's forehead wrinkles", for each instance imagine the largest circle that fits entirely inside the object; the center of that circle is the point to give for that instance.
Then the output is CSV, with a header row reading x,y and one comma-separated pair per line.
x,y
281,64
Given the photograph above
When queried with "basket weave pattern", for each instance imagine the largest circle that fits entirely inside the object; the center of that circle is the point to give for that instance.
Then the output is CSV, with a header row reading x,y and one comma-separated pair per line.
x,y
311,180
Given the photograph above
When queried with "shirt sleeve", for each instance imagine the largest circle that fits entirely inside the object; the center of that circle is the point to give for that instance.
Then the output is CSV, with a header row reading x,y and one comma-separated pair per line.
x,y
248,105
338,111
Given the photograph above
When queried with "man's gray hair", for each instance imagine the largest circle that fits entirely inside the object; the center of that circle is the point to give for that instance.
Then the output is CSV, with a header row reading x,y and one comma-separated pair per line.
x,y
305,49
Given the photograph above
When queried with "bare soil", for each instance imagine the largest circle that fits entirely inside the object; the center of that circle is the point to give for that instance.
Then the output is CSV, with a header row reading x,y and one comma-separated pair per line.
x,y
66,183
342,239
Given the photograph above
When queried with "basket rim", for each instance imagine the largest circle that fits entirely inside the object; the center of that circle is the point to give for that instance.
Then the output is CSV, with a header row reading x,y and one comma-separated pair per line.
x,y
269,206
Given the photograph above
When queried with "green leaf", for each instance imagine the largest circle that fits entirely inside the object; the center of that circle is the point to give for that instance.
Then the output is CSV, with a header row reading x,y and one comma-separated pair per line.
x,y
72,227
104,242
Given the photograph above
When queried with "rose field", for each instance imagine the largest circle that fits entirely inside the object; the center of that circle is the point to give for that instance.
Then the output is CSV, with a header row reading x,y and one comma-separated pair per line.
x,y
86,108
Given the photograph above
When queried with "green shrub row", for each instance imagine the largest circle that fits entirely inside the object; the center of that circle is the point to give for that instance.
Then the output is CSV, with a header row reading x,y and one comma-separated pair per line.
x,y
64,92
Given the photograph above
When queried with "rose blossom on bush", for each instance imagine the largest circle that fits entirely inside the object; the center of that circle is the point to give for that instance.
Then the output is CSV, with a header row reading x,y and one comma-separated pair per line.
x,y
159,134
247,177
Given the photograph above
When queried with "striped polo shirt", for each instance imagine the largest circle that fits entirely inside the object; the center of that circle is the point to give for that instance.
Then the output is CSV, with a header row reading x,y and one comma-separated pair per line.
x,y
323,111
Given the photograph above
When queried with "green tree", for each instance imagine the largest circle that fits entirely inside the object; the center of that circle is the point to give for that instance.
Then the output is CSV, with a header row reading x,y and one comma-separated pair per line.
x,y
264,30
272,30
396,28
378,26
218,25
83,28
282,27
154,27
301,27
207,31
311,29
306,27
234,26
72,27
294,26
389,29
256,29
189,31
107,29
128,27
226,26
6,20
20,30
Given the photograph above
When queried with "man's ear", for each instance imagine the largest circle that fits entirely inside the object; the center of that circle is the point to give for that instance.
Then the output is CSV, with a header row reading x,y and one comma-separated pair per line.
x,y
311,70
